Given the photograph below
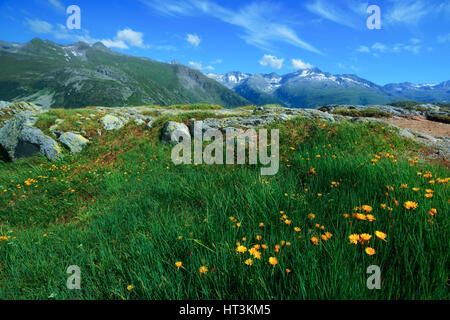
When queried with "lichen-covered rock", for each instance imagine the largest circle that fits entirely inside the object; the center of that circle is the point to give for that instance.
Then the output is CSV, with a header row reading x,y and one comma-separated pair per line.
x,y
111,122
20,139
173,132
73,141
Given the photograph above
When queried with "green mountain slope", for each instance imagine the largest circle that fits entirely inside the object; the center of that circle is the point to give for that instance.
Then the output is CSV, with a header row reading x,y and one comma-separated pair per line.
x,y
80,75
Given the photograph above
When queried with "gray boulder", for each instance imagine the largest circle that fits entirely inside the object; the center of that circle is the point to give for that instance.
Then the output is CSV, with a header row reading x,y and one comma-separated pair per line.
x,y
19,139
173,132
73,141
111,122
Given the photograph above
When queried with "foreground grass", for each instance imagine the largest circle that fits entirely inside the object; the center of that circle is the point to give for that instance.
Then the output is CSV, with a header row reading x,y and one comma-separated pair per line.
x,y
125,215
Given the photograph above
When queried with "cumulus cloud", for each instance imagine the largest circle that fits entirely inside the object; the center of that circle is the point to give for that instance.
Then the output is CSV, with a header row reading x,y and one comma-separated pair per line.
x,y
193,39
271,61
133,38
124,39
299,64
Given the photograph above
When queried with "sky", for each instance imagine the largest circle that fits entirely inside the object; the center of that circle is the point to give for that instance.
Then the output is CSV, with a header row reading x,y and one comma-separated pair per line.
x,y
411,45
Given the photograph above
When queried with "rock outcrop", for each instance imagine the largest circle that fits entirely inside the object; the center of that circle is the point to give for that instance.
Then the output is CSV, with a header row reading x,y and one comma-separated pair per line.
x,y
73,141
20,139
173,132
111,122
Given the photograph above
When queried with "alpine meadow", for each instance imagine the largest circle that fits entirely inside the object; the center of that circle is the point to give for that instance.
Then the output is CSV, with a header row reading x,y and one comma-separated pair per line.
x,y
186,151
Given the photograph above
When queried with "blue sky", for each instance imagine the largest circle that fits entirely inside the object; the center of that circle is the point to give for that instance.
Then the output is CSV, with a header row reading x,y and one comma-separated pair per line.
x,y
254,36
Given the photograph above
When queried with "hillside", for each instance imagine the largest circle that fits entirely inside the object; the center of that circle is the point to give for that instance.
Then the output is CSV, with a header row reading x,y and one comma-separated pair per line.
x,y
80,75
351,192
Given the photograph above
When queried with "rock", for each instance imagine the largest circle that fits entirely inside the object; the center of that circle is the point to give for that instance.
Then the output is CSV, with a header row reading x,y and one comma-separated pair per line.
x,y
111,122
74,142
139,122
172,131
406,133
20,139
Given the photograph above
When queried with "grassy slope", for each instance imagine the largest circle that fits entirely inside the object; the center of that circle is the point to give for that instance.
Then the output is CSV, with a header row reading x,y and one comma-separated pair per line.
x,y
124,214
41,66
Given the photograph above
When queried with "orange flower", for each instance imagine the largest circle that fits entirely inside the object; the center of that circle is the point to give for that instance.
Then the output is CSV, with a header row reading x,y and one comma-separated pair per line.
x,y
410,205
381,235
366,208
360,216
370,251
203,270
432,212
241,249
178,264
315,241
273,261
354,238
249,262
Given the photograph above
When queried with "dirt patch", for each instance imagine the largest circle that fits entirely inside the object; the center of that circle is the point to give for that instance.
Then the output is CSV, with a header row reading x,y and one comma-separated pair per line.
x,y
435,129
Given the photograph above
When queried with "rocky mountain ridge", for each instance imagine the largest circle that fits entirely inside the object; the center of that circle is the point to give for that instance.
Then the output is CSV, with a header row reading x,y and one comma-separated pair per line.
x,y
312,87
80,75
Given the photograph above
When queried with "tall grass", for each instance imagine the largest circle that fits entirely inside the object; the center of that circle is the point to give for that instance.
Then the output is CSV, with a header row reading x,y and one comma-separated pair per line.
x,y
125,214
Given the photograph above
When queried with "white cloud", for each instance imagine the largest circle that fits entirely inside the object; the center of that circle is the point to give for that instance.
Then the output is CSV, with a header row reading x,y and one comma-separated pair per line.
x,y
364,49
260,23
412,12
131,37
218,61
124,39
347,13
271,61
57,5
379,47
193,39
196,65
444,38
299,64
199,66
39,26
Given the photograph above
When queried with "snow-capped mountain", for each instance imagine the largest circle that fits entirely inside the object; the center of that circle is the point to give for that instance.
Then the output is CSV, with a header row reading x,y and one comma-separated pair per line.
x,y
421,92
313,87
229,79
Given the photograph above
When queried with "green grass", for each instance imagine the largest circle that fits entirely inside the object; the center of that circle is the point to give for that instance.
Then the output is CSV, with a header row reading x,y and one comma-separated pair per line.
x,y
368,113
439,118
125,214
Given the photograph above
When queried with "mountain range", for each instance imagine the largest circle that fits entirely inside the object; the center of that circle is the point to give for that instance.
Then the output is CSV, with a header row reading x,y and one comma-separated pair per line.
x,y
80,75
311,87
